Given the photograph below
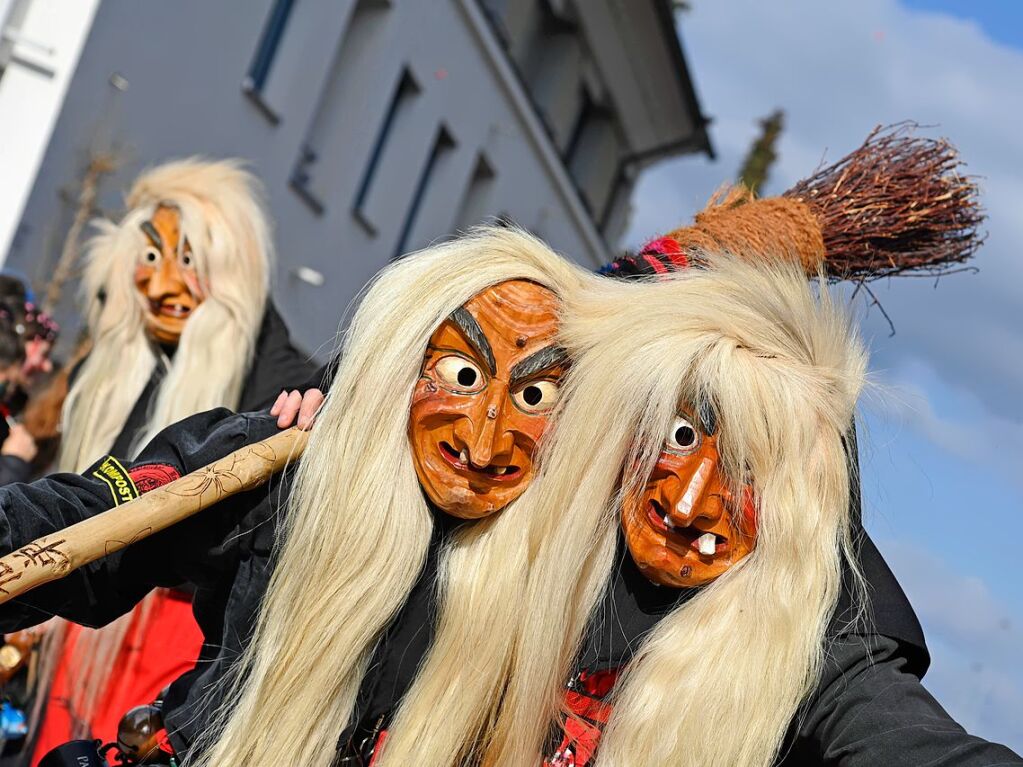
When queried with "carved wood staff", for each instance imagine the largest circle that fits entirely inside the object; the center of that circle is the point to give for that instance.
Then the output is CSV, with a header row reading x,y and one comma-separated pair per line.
x,y
56,555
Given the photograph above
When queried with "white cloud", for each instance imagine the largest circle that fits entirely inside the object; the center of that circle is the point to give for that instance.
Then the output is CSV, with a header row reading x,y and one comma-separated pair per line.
x,y
973,433
957,609
838,69
974,642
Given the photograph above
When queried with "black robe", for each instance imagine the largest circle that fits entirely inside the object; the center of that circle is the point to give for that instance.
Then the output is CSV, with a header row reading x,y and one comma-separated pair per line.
x,y
12,468
276,365
869,708
870,688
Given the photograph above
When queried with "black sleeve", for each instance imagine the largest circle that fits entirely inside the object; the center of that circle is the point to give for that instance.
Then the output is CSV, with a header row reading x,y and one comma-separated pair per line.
x,y
277,364
869,711
14,469
103,590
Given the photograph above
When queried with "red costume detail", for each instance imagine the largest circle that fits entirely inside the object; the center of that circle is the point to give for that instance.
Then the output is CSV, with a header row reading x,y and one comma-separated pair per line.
x,y
378,747
163,743
668,247
656,265
587,713
152,656
150,476
149,660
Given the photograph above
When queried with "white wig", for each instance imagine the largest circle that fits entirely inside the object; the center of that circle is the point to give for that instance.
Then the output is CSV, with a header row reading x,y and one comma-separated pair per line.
x,y
718,681
355,537
223,218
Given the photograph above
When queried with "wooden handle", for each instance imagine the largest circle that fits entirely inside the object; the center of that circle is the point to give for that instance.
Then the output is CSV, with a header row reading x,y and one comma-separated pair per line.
x,y
53,556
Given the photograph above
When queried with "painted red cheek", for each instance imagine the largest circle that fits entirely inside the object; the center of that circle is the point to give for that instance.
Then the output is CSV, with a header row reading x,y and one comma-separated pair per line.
x,y
532,427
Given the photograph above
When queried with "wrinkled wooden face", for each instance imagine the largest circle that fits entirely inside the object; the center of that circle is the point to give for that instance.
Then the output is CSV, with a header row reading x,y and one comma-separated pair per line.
x,y
488,382
685,528
165,276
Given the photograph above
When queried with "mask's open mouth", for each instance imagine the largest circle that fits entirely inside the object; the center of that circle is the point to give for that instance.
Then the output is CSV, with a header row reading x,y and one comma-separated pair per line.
x,y
461,461
703,542
170,309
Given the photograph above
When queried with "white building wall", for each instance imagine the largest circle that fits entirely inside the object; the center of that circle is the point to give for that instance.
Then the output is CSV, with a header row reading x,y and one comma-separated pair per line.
x,y
466,142
42,40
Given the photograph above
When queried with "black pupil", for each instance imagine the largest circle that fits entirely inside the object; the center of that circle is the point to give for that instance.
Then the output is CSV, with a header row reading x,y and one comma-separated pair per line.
x,y
685,436
532,395
467,376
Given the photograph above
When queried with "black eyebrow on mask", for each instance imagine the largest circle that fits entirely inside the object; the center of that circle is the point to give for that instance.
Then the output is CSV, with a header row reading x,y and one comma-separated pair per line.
x,y
538,362
707,416
474,335
152,233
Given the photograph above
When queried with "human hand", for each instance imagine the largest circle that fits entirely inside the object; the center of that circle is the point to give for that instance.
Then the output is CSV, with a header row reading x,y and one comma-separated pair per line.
x,y
288,407
19,443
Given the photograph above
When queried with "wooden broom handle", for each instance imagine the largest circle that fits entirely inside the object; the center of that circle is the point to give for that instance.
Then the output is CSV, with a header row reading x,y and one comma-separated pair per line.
x,y
56,555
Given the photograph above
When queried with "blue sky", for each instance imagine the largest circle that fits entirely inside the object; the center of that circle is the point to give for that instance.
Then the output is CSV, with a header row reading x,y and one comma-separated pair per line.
x,y
1001,20
942,441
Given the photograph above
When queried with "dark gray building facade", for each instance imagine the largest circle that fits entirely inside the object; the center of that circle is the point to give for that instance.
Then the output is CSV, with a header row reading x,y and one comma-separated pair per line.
x,y
378,126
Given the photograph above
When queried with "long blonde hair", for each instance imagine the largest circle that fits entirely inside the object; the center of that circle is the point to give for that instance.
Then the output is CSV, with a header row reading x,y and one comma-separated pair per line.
x,y
718,681
223,217
356,532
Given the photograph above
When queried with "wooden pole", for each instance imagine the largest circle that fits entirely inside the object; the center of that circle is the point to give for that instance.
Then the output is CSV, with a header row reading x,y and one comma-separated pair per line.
x,y
56,555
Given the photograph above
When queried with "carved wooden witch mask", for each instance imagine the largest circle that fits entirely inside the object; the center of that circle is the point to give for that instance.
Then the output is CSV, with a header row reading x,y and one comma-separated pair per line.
x,y
166,277
489,380
685,527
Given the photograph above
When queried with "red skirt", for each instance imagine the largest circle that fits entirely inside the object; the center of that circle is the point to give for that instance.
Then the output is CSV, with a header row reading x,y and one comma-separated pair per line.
x,y
148,661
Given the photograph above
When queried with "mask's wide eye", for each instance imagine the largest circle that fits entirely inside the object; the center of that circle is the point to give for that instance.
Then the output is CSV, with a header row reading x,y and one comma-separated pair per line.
x,y
537,397
459,374
187,260
150,257
683,437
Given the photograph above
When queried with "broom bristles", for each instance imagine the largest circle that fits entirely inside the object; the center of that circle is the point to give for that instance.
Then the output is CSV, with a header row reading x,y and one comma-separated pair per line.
x,y
898,204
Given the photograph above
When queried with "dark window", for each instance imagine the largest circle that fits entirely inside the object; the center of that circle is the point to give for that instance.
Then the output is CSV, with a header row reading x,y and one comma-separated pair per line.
x,y
301,177
331,158
586,113
593,154
401,103
269,42
475,207
443,145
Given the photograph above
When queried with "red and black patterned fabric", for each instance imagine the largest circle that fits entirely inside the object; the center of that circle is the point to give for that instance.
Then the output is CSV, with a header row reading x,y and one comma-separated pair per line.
x,y
659,256
586,713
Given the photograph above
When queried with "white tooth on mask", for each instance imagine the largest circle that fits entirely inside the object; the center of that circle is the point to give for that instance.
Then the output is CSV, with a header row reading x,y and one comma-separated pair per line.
x,y
668,523
463,457
707,543
499,470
